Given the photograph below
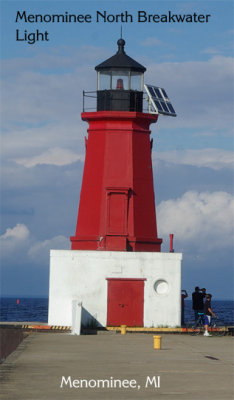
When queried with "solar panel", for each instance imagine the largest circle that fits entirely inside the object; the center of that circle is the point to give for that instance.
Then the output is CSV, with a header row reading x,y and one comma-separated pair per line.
x,y
158,104
164,93
151,90
158,93
164,106
159,101
169,105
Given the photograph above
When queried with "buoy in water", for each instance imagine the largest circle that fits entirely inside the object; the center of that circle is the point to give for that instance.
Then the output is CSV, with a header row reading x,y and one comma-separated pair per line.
x,y
17,301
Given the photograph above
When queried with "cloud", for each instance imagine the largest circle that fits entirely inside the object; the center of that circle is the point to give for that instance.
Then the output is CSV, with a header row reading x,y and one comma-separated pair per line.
x,y
14,242
30,141
201,220
211,50
49,89
55,156
18,233
46,97
151,41
19,245
211,158
46,116
59,60
18,240
200,92
39,251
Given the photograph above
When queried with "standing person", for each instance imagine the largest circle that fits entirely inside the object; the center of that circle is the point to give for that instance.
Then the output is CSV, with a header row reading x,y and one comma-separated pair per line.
x,y
184,294
207,314
197,297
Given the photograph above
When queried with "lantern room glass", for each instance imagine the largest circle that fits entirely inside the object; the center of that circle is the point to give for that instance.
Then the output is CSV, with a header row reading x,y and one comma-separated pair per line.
x,y
104,80
137,81
120,80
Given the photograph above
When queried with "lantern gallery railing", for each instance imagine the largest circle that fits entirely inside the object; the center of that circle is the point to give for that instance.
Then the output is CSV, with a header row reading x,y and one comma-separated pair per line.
x,y
150,102
115,100
90,95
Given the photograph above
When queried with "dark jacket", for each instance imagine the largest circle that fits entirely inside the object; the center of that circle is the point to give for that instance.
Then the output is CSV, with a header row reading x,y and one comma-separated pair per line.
x,y
198,300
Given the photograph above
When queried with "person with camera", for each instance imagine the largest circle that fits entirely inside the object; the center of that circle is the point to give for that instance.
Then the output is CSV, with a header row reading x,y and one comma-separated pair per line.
x,y
198,301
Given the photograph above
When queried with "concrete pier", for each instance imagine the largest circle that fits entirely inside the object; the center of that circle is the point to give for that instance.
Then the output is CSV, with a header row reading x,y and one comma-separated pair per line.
x,y
189,367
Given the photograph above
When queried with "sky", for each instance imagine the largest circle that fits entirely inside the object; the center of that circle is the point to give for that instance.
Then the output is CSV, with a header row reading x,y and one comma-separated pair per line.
x,y
42,134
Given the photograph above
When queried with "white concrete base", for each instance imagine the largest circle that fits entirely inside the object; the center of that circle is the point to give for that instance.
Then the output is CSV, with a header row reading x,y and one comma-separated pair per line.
x,y
77,274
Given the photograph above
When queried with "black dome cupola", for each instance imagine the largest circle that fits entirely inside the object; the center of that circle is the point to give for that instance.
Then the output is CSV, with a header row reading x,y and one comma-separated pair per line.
x,y
121,60
120,82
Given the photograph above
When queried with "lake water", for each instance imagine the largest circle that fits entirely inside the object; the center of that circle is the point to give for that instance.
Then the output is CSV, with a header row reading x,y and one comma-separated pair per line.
x,y
33,309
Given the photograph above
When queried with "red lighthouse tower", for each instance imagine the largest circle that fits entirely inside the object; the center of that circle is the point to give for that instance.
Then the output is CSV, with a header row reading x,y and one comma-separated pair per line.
x,y
117,205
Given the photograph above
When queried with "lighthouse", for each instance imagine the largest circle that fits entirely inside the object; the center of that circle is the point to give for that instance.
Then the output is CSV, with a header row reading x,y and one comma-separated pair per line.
x,y
115,267
117,205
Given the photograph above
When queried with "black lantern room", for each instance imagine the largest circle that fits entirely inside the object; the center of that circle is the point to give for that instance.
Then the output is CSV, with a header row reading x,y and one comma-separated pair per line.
x,y
120,82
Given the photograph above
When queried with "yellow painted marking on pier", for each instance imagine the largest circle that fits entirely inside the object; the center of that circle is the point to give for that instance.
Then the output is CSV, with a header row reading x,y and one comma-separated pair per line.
x,y
140,329
163,329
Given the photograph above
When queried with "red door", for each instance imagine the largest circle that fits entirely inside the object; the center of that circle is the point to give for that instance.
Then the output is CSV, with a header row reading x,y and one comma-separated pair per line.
x,y
125,302
117,213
